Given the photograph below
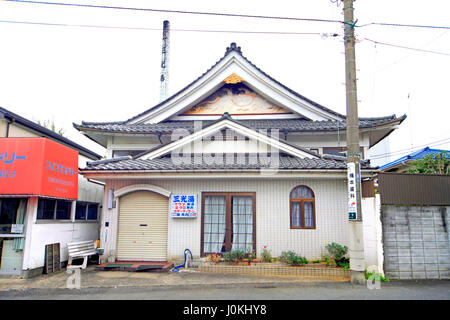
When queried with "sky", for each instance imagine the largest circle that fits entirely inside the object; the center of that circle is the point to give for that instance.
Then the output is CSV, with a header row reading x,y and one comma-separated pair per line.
x,y
71,73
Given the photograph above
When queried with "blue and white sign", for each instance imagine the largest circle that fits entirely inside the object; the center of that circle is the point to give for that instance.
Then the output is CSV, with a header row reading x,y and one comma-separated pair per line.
x,y
183,206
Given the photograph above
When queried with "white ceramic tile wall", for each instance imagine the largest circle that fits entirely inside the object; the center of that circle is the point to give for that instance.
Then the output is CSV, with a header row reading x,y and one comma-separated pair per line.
x,y
272,214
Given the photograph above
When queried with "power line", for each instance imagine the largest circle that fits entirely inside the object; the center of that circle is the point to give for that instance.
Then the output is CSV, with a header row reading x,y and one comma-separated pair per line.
x,y
438,142
179,11
160,29
403,25
409,48
409,150
435,143
230,14
213,31
407,56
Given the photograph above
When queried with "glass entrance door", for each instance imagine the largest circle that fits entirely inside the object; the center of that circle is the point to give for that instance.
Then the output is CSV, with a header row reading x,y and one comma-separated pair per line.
x,y
12,217
242,223
214,224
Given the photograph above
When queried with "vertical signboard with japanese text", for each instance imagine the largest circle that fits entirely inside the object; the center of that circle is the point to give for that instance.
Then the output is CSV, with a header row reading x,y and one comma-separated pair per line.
x,y
183,206
352,200
38,166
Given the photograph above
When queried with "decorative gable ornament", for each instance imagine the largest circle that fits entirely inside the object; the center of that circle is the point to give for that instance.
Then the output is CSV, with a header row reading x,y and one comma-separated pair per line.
x,y
235,99
233,79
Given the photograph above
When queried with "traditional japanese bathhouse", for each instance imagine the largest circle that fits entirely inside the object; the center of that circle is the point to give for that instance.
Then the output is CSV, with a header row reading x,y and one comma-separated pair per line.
x,y
235,160
43,199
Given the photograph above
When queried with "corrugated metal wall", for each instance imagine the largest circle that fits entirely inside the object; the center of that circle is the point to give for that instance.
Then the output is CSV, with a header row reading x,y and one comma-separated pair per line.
x,y
368,188
414,189
142,232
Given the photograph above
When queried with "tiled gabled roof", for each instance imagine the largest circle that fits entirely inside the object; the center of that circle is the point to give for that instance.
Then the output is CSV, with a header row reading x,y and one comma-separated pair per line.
x,y
226,117
234,48
288,125
196,163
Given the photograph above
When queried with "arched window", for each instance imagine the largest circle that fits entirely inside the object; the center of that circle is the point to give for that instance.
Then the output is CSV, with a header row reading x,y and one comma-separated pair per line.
x,y
302,208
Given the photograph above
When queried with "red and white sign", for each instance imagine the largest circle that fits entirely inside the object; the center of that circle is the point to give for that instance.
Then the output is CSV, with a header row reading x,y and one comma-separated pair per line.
x,y
38,166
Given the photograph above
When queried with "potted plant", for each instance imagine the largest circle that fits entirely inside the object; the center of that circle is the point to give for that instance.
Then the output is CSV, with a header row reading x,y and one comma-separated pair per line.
x,y
234,256
338,253
292,259
251,256
266,255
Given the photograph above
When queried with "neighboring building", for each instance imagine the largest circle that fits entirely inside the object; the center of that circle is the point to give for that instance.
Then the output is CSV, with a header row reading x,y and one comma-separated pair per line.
x,y
404,163
43,199
235,160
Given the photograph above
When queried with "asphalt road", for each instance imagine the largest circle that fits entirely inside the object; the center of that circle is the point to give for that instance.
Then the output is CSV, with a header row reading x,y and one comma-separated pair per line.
x,y
394,290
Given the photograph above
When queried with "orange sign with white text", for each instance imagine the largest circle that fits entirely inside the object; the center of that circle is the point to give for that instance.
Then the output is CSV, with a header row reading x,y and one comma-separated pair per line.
x,y
38,166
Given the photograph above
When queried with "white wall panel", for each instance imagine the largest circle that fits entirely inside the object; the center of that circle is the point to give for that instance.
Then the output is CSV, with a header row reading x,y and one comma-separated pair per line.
x,y
64,232
272,214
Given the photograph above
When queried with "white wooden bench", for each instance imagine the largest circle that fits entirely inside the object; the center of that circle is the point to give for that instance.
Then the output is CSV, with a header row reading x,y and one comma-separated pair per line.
x,y
80,249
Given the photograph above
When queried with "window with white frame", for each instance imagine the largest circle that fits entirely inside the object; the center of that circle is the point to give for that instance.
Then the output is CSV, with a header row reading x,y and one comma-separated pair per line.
x,y
86,211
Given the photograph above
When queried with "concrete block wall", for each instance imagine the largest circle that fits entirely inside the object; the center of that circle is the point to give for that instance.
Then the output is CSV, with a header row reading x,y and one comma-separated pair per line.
x,y
416,242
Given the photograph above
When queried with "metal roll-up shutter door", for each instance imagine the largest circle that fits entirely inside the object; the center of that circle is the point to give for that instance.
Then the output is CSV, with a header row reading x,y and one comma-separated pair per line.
x,y
143,220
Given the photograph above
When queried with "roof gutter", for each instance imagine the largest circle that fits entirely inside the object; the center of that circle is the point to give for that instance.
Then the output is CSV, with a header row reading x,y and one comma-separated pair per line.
x,y
97,182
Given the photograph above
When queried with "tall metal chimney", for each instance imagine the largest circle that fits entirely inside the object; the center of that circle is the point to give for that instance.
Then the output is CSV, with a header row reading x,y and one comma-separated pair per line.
x,y
164,62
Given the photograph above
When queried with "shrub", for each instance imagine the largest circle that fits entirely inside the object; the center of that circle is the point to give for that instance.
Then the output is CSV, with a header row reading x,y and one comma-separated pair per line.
x,y
301,260
238,254
227,257
233,256
266,255
344,263
288,257
251,254
336,251
328,260
291,258
214,257
376,275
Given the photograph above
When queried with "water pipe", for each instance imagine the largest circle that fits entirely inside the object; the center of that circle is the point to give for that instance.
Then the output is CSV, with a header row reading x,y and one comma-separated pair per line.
x,y
177,268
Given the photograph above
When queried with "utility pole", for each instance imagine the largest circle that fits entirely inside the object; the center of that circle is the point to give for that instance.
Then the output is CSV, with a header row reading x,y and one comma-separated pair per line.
x,y
356,243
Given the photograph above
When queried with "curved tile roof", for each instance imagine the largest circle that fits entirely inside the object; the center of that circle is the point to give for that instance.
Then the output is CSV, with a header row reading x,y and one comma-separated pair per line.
x,y
197,162
234,48
289,125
